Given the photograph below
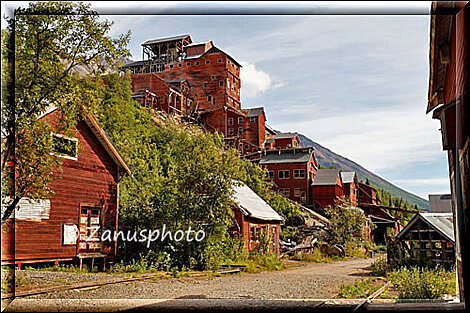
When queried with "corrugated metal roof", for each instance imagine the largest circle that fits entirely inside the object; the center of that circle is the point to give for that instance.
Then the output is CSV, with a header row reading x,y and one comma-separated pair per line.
x,y
285,135
443,222
255,112
252,205
347,177
160,40
135,63
286,157
192,57
326,177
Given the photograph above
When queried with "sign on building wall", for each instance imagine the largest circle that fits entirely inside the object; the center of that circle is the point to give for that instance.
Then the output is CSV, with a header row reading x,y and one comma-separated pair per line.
x,y
29,209
70,234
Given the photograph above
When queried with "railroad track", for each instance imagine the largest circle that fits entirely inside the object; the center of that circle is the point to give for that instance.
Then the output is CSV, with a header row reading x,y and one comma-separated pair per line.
x,y
96,284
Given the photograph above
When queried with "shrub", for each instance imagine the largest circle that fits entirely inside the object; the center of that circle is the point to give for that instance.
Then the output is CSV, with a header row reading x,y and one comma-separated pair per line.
x,y
380,267
423,283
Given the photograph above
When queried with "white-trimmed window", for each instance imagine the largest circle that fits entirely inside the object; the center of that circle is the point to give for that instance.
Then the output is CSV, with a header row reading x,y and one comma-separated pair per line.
x,y
230,131
270,174
285,192
240,130
65,147
230,121
299,174
283,174
253,119
297,192
240,120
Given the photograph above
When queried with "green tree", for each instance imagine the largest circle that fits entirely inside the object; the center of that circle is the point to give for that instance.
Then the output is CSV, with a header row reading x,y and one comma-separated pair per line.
x,y
42,47
346,224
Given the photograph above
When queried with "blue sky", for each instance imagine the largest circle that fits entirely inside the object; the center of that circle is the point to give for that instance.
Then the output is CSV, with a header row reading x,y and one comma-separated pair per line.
x,y
355,84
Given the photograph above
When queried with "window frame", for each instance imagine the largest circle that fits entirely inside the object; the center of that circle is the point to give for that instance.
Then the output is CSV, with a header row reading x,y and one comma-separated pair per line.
x,y
66,156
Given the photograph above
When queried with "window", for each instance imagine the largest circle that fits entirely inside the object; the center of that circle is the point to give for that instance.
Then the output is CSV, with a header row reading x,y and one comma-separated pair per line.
x,y
247,147
208,62
253,119
65,147
296,192
188,63
213,77
299,173
209,98
221,83
285,192
170,66
252,233
219,61
230,131
240,130
196,63
270,174
180,65
206,85
230,121
284,174
240,120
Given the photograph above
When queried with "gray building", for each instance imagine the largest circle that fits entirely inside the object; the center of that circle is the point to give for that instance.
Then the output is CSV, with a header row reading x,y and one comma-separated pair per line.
x,y
440,203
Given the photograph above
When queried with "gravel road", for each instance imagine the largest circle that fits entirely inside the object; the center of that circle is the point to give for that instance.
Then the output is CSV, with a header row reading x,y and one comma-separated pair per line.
x,y
306,280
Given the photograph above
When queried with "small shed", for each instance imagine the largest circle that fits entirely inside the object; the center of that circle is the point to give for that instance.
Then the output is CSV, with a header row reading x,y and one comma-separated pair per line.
x,y
256,221
428,239
327,188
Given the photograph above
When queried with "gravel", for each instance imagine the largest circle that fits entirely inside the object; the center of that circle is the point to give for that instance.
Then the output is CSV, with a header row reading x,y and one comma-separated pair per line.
x,y
305,281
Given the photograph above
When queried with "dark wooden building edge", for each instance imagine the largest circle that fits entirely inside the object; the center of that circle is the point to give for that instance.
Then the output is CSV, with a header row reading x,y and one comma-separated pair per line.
x,y
86,189
448,101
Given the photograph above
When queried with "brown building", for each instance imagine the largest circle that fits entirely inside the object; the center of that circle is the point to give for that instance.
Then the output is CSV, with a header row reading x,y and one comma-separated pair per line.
x,y
448,100
282,141
85,196
210,92
292,171
327,188
256,221
366,194
349,180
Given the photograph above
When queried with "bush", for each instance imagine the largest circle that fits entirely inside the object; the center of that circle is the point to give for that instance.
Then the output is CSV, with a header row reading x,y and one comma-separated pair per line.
x,y
316,257
423,283
380,267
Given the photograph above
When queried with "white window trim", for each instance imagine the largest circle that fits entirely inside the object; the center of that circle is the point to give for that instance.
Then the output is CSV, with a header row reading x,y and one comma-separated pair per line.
x,y
279,176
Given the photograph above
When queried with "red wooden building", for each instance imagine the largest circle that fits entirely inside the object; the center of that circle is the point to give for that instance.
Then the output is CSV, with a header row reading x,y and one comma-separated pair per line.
x,y
257,223
212,91
282,141
292,171
85,195
327,188
367,194
449,102
349,180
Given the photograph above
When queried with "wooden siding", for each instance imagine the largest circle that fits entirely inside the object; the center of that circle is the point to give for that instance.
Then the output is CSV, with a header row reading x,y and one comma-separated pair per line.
x,y
91,179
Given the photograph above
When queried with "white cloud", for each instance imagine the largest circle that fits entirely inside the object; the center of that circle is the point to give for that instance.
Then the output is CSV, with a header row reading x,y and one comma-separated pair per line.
x,y
255,81
379,140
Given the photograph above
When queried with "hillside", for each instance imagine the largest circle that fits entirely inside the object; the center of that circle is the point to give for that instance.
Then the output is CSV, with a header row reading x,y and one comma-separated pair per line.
x,y
327,157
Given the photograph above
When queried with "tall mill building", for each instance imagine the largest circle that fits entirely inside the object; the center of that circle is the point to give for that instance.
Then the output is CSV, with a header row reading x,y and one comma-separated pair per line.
x,y
200,81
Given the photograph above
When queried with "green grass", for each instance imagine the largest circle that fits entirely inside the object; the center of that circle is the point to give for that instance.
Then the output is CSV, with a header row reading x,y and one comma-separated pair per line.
x,y
360,289
257,262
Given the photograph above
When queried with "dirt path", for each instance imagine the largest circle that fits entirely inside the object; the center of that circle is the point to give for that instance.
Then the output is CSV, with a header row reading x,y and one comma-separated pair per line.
x,y
308,281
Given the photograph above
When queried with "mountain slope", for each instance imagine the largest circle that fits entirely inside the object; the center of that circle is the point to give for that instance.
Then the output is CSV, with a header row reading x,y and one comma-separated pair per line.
x,y
326,157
